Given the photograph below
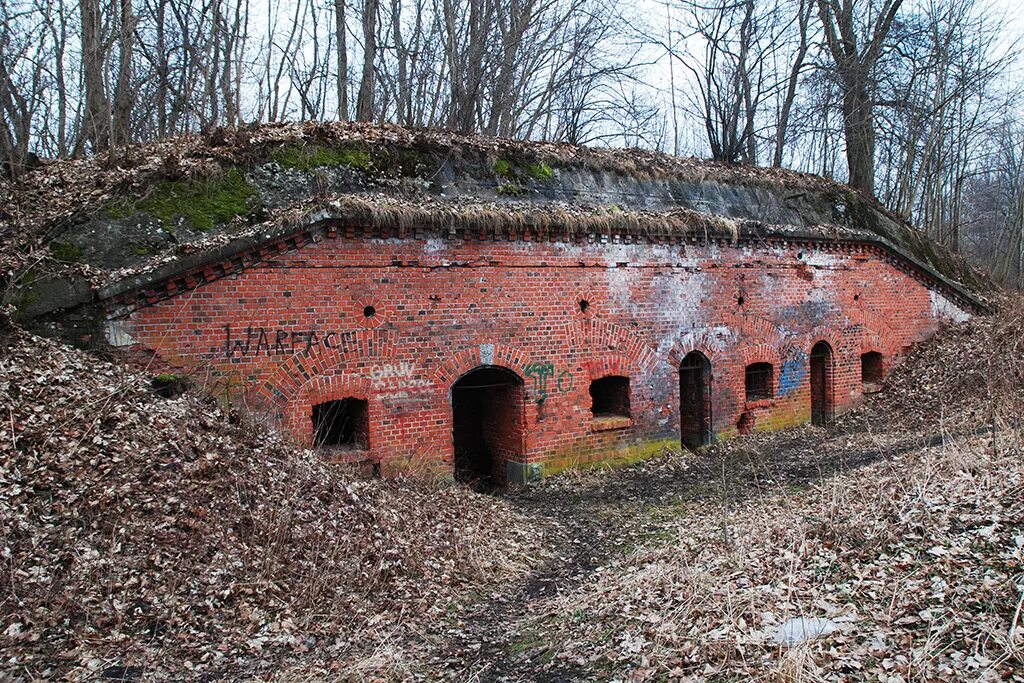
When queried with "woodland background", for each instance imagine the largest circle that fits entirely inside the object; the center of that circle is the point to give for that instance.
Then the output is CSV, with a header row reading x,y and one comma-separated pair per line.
x,y
916,102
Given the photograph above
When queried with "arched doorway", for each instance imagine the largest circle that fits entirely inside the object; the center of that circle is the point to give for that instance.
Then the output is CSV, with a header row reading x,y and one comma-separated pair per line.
x,y
487,424
821,384
695,400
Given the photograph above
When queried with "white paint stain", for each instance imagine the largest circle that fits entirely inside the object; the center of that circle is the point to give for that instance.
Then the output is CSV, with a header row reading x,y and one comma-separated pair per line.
x,y
117,333
397,376
945,309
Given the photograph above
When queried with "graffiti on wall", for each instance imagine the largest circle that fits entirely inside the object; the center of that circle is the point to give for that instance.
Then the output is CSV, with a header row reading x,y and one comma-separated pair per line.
x,y
542,372
254,341
793,372
397,376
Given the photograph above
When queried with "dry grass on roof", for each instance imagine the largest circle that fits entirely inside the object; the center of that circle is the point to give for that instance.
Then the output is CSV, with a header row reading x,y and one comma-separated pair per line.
x,y
440,216
71,187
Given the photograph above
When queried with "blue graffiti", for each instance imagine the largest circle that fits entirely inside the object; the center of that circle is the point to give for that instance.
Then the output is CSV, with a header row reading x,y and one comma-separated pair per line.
x,y
793,372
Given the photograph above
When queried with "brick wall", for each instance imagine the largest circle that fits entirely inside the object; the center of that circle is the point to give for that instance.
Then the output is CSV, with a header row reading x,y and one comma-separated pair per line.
x,y
398,321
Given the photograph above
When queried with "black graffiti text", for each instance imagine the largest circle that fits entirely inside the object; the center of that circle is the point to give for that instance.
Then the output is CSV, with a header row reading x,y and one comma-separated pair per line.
x,y
254,341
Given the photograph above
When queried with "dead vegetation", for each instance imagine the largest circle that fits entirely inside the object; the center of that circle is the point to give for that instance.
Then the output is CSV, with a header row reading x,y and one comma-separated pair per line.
x,y
145,536
916,562
35,212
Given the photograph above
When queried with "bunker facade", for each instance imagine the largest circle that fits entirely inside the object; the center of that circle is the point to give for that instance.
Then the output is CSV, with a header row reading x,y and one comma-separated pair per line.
x,y
422,300
511,355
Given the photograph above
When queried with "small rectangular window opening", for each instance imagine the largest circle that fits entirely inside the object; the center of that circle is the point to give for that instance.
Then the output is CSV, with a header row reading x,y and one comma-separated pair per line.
x,y
610,397
871,371
760,382
342,424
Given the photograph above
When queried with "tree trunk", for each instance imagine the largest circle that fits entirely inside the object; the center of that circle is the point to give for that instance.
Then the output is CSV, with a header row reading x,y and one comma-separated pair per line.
x,y
364,105
859,130
124,95
341,47
96,116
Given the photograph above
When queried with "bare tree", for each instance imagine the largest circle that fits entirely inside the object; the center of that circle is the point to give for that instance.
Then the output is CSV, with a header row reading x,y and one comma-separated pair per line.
x,y
367,86
855,34
95,50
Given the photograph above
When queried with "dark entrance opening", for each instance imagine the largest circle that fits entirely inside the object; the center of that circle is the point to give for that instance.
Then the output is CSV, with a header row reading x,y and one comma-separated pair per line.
x,y
343,424
695,400
821,384
487,424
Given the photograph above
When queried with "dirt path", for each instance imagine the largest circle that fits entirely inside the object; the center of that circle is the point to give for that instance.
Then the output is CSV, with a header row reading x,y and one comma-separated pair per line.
x,y
593,517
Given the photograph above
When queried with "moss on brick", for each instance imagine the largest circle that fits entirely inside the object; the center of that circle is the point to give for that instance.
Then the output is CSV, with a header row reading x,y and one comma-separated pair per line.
x,y
579,458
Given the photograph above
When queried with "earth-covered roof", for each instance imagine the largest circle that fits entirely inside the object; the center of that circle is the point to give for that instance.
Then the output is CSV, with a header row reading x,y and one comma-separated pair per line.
x,y
104,225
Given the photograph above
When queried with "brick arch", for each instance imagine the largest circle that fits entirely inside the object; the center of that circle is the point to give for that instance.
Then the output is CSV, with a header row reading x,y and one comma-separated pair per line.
x,y
608,365
334,351
755,328
603,337
500,355
872,341
759,353
826,334
702,341
327,386
750,332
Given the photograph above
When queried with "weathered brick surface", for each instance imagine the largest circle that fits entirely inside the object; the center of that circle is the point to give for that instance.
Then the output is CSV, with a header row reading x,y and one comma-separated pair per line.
x,y
293,330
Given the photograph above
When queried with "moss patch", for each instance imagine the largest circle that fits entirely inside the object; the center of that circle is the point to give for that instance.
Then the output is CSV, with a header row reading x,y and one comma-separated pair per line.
x,y
66,251
539,171
511,189
202,203
573,458
307,158
503,169
507,170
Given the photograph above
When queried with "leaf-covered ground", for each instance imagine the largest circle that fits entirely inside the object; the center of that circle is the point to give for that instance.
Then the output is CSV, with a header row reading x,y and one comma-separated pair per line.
x,y
902,526
150,538
145,536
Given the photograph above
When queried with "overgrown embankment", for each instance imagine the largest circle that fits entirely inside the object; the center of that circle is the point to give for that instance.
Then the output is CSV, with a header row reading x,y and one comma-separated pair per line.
x,y
146,535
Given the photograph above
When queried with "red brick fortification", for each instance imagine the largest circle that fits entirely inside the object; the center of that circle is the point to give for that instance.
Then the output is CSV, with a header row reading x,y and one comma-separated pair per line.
x,y
530,356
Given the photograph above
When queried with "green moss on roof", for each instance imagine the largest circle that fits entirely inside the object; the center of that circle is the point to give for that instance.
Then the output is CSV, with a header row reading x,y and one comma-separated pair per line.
x,y
66,251
309,157
539,171
532,170
201,203
503,169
